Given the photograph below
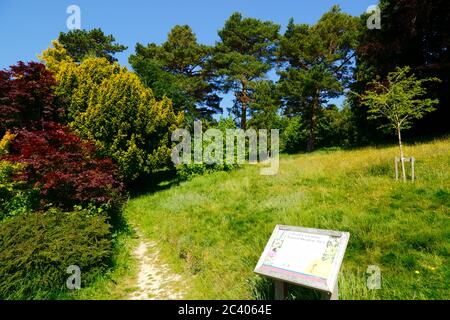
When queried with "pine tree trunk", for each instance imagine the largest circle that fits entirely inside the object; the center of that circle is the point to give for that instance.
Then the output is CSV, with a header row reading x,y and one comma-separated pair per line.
x,y
401,153
244,100
244,117
313,125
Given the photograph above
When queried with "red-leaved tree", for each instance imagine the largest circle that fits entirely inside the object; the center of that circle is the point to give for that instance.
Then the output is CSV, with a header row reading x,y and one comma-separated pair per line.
x,y
64,168
26,97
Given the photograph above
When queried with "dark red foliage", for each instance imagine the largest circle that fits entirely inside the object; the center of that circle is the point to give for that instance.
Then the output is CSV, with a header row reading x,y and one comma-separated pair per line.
x,y
26,97
63,167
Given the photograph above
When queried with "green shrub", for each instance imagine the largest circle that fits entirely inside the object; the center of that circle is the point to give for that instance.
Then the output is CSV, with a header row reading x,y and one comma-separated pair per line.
x,y
110,106
129,125
37,248
188,171
15,197
295,136
335,128
77,82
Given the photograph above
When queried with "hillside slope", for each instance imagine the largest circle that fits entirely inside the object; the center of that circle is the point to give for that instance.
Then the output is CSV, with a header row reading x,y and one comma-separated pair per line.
x,y
213,228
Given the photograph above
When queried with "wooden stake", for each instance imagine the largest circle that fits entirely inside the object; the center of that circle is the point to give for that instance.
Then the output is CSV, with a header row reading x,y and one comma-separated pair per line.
x,y
396,168
281,290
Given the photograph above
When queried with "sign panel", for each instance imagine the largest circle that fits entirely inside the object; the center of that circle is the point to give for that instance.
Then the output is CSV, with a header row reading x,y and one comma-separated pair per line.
x,y
302,256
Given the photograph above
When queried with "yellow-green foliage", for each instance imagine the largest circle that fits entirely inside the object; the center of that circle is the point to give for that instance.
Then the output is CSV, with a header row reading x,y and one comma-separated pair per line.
x,y
110,105
55,56
7,170
77,82
14,197
5,142
129,125
215,227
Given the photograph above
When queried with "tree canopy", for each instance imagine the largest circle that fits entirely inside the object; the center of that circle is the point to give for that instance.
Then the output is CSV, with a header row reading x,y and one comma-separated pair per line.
x,y
178,69
82,43
244,54
109,105
414,33
26,97
316,61
400,101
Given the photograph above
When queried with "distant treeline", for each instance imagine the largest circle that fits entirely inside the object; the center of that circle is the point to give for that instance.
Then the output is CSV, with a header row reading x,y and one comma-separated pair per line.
x,y
335,57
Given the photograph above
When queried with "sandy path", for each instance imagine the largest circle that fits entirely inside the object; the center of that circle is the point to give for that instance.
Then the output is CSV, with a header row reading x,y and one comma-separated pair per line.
x,y
155,279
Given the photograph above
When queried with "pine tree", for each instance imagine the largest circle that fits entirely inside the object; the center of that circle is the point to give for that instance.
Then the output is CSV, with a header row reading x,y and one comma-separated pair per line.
x,y
244,55
317,63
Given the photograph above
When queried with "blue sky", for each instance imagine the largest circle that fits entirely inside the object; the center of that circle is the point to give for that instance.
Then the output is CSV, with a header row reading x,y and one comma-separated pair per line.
x,y
27,27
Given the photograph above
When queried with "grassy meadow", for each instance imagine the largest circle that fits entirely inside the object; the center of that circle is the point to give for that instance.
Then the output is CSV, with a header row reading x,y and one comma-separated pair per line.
x,y
213,228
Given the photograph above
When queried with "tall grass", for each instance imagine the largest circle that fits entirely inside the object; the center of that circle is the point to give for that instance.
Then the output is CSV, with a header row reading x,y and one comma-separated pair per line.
x,y
213,228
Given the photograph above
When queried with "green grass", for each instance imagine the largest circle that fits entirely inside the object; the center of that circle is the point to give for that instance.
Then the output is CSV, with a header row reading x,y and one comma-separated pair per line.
x,y
213,228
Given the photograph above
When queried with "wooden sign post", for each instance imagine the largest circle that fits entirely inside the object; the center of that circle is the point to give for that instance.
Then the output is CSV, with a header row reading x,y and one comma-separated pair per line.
x,y
305,257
